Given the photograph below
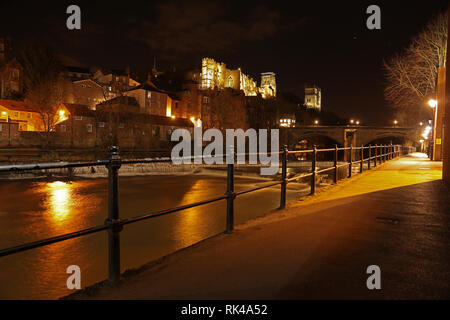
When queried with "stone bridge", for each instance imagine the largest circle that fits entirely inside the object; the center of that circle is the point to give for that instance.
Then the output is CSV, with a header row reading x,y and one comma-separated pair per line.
x,y
345,136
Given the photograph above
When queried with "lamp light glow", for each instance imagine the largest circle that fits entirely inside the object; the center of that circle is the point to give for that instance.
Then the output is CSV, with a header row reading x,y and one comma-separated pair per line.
x,y
432,103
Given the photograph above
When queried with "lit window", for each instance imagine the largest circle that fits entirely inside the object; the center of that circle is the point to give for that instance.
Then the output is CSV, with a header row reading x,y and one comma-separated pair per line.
x,y
149,94
230,81
78,117
89,127
101,124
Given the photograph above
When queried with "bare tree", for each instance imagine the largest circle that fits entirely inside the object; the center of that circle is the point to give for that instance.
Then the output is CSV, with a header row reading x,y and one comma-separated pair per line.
x,y
44,85
46,99
411,75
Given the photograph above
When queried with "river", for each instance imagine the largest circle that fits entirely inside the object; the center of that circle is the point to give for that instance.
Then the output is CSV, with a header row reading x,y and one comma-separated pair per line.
x,y
31,211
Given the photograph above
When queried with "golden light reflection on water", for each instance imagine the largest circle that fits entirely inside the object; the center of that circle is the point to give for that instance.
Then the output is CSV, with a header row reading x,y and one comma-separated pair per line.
x,y
59,201
189,225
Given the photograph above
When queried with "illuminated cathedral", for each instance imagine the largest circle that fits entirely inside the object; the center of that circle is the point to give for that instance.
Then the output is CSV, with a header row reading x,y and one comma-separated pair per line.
x,y
217,75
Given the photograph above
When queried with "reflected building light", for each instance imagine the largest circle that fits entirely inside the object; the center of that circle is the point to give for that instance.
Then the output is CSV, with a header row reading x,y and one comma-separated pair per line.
x,y
59,200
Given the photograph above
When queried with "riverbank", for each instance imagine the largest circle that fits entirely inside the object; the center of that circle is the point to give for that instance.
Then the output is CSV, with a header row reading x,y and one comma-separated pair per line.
x,y
157,168
395,216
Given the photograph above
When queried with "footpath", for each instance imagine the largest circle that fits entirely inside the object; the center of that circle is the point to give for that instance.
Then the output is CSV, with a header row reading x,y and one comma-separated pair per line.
x,y
395,216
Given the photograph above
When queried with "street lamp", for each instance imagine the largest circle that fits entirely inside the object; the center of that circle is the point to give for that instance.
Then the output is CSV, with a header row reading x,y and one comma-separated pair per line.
x,y
433,104
316,122
395,122
357,122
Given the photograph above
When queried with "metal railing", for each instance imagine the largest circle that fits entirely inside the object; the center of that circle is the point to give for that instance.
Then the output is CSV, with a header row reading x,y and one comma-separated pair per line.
x,y
114,224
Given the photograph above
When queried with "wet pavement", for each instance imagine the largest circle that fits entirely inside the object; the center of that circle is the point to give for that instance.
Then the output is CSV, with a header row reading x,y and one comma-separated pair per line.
x,y
396,216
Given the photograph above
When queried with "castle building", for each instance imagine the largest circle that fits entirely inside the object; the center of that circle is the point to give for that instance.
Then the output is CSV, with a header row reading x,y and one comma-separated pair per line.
x,y
216,75
268,85
313,98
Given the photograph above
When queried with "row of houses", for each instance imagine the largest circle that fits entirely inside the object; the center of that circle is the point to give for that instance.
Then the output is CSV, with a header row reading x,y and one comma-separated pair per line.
x,y
78,126
103,105
142,111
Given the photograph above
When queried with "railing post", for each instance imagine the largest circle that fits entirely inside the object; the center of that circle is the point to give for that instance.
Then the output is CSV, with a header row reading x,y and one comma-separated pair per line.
x,y
283,177
113,221
362,160
350,162
376,155
230,195
336,177
313,170
370,157
385,152
391,152
381,154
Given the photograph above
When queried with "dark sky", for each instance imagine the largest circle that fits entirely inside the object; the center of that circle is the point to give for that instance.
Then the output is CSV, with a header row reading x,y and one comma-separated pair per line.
x,y
321,42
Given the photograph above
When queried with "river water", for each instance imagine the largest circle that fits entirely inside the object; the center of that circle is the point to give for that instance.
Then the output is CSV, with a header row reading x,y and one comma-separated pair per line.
x,y
31,211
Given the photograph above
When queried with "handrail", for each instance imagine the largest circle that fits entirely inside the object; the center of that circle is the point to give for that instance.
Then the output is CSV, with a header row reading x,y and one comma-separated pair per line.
x,y
114,225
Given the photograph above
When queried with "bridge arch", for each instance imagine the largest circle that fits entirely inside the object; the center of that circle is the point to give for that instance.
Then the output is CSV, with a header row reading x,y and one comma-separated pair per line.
x,y
346,135
307,141
387,139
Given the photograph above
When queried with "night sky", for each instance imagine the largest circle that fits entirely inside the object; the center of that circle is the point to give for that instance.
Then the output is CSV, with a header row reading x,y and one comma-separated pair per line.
x,y
321,42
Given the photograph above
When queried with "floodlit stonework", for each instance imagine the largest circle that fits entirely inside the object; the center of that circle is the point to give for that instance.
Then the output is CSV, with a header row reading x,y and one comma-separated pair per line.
x,y
217,75
313,98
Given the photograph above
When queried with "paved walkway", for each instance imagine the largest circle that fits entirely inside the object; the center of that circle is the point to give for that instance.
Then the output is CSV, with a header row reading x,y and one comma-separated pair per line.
x,y
396,216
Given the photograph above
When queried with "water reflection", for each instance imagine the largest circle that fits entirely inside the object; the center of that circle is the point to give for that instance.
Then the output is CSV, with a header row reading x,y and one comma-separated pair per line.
x,y
59,200
30,211
189,225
